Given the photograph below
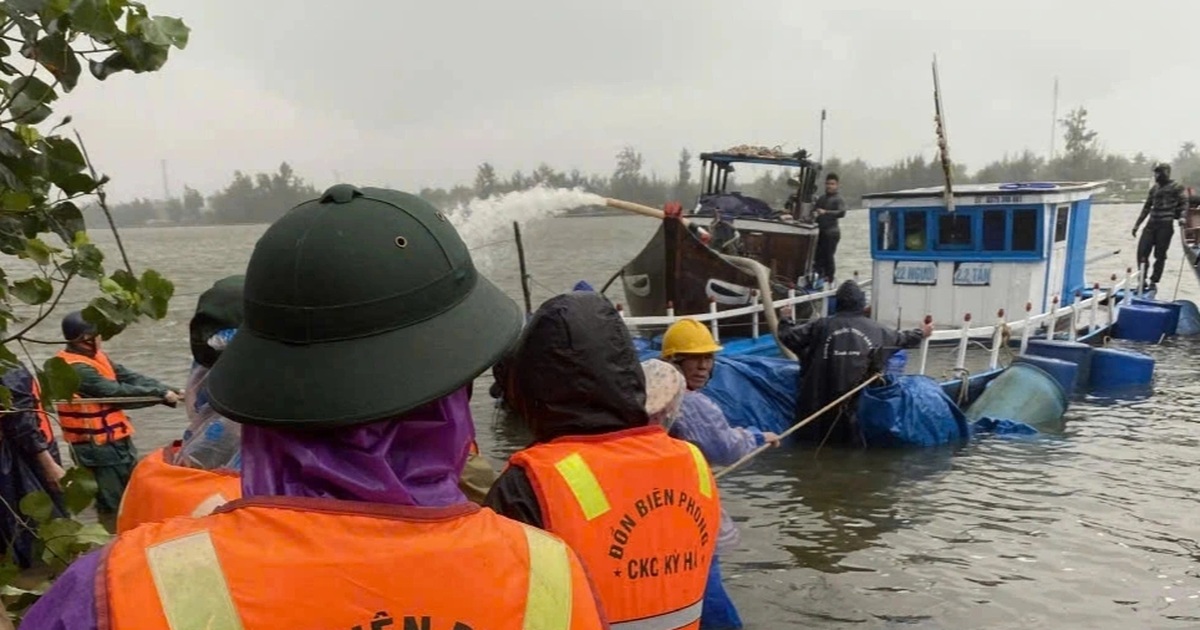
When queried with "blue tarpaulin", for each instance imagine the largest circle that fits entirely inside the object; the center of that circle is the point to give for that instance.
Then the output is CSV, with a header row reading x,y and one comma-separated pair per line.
x,y
910,411
755,391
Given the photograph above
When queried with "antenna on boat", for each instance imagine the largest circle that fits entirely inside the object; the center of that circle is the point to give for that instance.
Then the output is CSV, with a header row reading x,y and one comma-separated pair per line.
x,y
943,149
1054,120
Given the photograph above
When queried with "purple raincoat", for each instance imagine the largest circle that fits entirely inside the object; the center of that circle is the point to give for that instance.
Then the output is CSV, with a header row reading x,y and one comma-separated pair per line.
x,y
414,460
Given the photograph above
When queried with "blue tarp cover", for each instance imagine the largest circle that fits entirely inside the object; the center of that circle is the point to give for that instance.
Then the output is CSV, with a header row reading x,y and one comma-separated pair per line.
x,y
910,411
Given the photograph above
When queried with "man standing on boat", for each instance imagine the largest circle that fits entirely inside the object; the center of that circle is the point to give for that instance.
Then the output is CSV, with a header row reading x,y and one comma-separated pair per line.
x,y
1164,206
828,209
100,434
836,354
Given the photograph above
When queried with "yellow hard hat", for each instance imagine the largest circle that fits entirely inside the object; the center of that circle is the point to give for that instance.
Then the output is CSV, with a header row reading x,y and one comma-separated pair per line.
x,y
688,336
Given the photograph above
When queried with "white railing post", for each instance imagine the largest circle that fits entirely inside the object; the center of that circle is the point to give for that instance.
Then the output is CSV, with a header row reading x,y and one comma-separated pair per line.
x,y
925,346
997,339
1053,321
961,361
620,310
1095,315
1112,303
755,301
1071,334
1027,330
671,309
1129,281
712,310
791,302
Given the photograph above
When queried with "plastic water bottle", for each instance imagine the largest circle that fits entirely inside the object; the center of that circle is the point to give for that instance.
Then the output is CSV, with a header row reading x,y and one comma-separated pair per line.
x,y
214,444
896,364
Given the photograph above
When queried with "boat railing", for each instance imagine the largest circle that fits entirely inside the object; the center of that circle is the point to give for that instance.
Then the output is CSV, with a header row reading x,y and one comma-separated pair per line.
x,y
1083,313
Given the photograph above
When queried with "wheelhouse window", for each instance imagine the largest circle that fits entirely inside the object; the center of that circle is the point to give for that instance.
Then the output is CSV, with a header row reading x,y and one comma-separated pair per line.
x,y
915,231
994,224
1060,224
1024,230
954,231
887,235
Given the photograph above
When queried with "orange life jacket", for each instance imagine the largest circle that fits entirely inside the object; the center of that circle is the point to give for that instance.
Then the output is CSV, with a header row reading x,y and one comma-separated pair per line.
x,y
158,491
43,417
90,422
288,563
642,510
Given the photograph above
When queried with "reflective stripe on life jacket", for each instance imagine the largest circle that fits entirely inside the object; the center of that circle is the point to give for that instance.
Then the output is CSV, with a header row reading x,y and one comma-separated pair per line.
x,y
43,417
642,511
89,422
158,490
288,563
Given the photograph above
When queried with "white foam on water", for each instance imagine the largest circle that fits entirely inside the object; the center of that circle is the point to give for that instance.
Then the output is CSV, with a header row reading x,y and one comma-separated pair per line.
x,y
483,222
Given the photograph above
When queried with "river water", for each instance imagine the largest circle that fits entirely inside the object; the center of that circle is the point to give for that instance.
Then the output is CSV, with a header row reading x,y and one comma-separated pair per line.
x,y
1087,529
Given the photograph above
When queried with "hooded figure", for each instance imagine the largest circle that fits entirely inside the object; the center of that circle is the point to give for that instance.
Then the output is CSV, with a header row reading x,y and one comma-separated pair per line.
x,y
598,474
836,354
365,323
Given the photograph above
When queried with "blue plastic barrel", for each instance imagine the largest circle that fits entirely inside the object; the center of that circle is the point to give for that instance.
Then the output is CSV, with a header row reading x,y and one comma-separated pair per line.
x,y
1066,373
1137,322
1074,351
1023,392
1189,318
1174,307
1116,369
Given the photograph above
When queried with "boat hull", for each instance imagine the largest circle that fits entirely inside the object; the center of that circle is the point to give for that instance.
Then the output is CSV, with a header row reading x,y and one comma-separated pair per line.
x,y
676,270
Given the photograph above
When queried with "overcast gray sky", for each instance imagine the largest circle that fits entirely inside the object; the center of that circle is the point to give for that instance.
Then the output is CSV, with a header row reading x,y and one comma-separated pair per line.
x,y
411,93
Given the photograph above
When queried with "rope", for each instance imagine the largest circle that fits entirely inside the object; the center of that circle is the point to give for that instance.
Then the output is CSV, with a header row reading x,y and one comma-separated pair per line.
x,y
752,454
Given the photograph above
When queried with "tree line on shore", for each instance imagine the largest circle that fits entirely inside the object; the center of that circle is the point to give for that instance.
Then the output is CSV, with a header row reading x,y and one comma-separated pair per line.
x,y
263,197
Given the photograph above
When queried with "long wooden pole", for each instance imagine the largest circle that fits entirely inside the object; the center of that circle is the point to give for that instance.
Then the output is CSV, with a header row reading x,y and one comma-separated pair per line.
x,y
752,454
524,273
638,208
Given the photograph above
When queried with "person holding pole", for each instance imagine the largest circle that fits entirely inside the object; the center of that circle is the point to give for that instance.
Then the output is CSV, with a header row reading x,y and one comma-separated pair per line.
x,y
99,433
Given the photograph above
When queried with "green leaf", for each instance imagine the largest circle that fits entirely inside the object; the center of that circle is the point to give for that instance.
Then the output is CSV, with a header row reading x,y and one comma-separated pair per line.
x,y
54,53
5,398
95,18
77,184
93,535
28,7
7,357
9,571
37,505
67,220
58,379
30,96
158,291
33,291
125,280
59,536
28,134
109,318
38,251
175,30
79,489
55,8
88,261
11,144
63,157
16,200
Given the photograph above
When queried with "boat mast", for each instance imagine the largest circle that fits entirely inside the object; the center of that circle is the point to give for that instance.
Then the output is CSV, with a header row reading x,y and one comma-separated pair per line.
x,y
943,149
1054,119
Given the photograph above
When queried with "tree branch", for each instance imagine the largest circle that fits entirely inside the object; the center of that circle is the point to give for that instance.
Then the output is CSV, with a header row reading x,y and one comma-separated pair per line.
x,y
41,315
103,200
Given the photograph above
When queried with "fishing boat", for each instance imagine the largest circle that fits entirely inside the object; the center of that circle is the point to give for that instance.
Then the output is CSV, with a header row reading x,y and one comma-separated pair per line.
x,y
730,247
998,269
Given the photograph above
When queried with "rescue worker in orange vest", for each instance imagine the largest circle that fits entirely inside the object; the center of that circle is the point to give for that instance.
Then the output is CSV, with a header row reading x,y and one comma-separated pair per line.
x,y
366,322
100,435
641,508
29,461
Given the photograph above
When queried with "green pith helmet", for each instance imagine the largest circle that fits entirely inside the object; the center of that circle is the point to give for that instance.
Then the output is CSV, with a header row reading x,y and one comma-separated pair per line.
x,y
359,306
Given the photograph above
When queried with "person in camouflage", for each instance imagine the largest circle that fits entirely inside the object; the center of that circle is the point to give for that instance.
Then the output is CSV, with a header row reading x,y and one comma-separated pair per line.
x,y
1164,206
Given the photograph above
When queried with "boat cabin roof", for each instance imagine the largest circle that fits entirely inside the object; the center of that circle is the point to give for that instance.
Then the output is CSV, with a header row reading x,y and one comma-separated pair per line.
x,y
725,159
1029,192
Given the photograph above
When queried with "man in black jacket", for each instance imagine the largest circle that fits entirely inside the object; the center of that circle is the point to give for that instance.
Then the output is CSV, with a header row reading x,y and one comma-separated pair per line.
x,y
836,353
1164,206
829,208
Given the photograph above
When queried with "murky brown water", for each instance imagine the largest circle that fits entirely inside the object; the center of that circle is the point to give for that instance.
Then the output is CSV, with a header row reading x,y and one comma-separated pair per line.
x,y
1093,528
